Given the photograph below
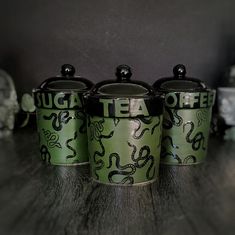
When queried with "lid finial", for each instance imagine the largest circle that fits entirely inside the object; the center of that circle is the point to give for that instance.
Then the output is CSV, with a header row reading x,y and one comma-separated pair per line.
x,y
179,71
67,70
123,72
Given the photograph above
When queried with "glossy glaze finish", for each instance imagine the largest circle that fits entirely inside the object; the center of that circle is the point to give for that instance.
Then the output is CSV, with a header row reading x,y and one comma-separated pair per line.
x,y
186,118
124,131
124,150
61,120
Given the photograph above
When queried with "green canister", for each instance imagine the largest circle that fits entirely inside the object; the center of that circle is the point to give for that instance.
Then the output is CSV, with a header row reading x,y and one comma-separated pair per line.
x,y
186,118
61,120
124,130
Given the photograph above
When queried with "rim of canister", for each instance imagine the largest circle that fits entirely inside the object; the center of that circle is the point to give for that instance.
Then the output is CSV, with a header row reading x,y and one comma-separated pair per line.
x,y
62,86
184,92
123,97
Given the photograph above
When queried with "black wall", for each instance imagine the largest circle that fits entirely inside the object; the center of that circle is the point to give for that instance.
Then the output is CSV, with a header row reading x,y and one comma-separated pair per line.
x,y
37,36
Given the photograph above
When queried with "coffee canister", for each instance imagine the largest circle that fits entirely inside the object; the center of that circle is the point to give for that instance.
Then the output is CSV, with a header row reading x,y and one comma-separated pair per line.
x,y
61,120
186,118
124,130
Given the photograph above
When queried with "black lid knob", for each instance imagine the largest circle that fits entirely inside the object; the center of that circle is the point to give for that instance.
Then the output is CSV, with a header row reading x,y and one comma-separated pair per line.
x,y
67,70
179,71
123,72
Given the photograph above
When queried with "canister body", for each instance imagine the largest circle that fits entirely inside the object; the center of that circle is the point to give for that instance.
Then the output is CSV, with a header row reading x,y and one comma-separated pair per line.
x,y
124,151
61,124
185,135
186,125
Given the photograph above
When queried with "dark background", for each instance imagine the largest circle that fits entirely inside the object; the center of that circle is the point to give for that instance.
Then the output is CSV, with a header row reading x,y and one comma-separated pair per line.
x,y
151,36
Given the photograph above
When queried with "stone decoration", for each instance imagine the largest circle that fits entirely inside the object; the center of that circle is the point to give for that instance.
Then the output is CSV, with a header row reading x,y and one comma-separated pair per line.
x,y
8,104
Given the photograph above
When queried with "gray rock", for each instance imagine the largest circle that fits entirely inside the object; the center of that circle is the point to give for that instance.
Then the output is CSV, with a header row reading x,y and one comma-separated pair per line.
x,y
8,104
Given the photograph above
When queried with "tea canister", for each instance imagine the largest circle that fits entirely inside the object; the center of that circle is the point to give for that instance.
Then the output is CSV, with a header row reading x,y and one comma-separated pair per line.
x,y
61,120
186,118
124,130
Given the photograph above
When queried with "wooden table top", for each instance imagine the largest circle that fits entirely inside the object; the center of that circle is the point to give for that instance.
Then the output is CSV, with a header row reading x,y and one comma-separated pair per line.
x,y
40,199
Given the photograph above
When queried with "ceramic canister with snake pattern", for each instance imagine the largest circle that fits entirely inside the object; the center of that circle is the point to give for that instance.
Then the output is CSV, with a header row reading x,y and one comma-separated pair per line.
x,y
186,119
124,130
61,120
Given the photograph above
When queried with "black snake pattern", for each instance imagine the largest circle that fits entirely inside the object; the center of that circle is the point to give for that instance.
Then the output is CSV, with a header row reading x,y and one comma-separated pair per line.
x,y
175,119
81,116
57,120
96,128
52,139
145,120
122,170
71,148
190,159
202,116
198,140
45,154
99,164
135,135
144,158
165,153
171,141
156,125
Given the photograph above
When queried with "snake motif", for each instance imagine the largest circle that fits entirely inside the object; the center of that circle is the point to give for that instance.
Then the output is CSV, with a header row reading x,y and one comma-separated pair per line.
x,y
71,148
202,116
57,120
156,125
82,116
145,120
175,119
165,153
198,140
144,158
171,141
52,139
96,128
99,164
190,159
45,154
134,135
122,170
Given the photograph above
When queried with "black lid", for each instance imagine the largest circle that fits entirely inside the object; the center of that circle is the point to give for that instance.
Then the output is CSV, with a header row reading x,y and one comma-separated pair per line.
x,y
67,81
184,92
123,86
179,82
106,97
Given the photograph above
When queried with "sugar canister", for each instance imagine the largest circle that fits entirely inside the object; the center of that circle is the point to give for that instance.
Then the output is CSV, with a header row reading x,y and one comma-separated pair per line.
x,y
61,120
